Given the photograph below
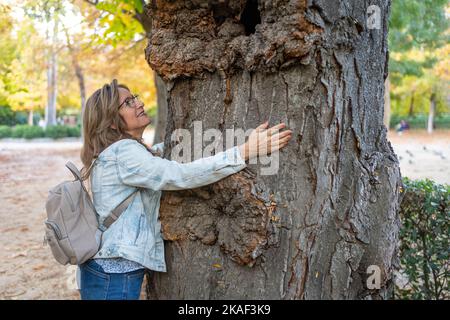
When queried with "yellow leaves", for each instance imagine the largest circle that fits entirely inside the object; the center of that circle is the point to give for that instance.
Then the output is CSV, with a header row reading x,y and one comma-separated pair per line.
x,y
217,266
442,68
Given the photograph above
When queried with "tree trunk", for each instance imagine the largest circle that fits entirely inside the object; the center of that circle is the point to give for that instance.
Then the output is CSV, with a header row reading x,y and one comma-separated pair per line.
x,y
30,117
80,76
431,113
329,215
411,106
81,84
50,110
78,73
387,103
161,116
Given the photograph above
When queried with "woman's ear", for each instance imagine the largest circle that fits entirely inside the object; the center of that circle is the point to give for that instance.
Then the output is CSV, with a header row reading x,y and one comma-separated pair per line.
x,y
113,126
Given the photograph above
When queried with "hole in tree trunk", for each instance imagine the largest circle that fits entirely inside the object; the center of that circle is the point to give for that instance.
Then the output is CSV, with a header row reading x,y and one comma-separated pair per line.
x,y
250,17
221,12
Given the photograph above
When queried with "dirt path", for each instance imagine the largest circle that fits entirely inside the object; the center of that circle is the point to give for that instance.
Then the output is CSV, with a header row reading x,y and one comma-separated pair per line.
x,y
422,155
28,270
29,170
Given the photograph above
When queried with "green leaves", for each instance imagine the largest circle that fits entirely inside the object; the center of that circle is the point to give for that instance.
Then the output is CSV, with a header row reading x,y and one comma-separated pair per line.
x,y
424,240
137,5
119,21
415,24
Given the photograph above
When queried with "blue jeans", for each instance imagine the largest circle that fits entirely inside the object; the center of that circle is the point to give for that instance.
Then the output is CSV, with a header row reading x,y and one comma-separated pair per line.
x,y
99,285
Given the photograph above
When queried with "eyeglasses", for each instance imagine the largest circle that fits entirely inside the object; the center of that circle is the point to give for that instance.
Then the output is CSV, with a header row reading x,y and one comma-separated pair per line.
x,y
131,102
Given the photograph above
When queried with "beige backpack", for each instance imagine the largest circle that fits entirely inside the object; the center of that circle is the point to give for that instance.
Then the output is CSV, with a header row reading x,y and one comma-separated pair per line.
x,y
72,229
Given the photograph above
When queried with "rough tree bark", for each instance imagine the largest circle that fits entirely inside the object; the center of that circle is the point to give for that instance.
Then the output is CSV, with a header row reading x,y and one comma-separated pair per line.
x,y
312,230
387,103
161,116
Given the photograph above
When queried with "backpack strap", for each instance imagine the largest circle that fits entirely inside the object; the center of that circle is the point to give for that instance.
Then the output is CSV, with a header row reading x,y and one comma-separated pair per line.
x,y
76,173
115,213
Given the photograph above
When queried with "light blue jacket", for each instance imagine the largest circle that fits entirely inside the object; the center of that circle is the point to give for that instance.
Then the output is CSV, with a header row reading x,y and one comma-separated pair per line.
x,y
125,165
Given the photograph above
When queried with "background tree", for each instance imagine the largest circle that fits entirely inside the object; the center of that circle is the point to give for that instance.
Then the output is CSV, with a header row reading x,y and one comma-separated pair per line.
x,y
111,45
8,49
84,62
312,230
48,13
125,21
415,25
23,73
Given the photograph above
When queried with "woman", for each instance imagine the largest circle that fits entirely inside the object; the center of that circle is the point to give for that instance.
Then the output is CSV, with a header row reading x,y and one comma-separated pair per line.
x,y
117,163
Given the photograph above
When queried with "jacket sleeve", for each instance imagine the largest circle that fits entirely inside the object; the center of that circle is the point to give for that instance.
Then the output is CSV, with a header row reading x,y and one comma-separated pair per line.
x,y
138,167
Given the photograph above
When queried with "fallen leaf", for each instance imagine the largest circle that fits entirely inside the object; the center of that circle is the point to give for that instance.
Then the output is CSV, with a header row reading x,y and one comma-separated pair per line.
x,y
39,267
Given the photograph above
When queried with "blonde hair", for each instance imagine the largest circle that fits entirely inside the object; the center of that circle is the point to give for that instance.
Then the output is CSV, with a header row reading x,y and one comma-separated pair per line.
x,y
100,113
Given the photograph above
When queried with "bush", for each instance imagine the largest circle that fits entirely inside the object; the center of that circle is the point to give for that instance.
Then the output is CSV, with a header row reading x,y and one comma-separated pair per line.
x,y
442,122
18,131
31,132
27,132
5,132
57,132
7,116
424,243
420,121
74,131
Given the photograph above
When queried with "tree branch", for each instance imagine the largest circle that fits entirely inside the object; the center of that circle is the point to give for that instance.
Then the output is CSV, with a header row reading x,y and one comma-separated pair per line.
x,y
134,44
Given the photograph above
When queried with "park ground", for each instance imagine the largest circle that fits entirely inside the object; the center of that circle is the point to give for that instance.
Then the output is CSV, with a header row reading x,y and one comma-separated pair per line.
x,y
29,169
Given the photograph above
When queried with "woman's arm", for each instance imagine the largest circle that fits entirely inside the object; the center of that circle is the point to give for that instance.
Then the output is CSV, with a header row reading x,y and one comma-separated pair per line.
x,y
138,167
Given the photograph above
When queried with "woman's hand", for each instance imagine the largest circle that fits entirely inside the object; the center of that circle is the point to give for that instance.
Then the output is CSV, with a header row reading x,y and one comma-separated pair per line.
x,y
263,141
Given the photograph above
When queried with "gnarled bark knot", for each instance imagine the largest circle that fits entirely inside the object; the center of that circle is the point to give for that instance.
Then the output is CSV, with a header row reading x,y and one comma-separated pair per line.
x,y
192,37
232,213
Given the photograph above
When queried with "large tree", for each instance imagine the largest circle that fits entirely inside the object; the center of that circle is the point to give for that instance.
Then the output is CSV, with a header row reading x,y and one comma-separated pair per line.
x,y
328,217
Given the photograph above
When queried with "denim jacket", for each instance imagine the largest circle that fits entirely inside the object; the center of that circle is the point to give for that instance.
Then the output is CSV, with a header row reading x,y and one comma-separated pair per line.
x,y
126,165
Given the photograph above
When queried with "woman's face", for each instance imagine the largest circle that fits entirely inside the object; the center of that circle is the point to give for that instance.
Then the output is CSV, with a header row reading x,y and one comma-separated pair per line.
x,y
134,115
